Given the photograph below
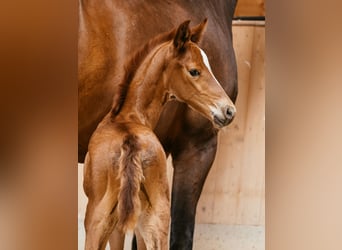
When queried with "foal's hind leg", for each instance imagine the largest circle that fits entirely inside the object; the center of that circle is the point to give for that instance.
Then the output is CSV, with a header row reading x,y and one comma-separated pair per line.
x,y
153,224
101,213
153,227
138,241
116,240
99,224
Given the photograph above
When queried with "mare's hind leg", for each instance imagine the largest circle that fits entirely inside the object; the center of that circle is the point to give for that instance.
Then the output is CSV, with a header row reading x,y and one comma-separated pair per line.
x,y
191,163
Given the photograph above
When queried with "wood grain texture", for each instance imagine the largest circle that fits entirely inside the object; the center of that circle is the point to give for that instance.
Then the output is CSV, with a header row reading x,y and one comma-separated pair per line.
x,y
250,8
234,192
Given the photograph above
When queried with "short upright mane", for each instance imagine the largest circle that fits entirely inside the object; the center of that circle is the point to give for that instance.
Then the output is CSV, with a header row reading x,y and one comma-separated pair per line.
x,y
132,65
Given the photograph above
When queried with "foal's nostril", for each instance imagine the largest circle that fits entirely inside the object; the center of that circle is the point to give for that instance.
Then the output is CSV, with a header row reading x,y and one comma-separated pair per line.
x,y
230,112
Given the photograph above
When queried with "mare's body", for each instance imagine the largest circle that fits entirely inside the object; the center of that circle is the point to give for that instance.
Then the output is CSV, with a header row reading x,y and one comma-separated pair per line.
x,y
109,31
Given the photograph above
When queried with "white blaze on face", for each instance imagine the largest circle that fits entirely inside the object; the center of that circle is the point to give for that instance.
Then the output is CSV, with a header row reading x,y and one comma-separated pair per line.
x,y
206,63
222,103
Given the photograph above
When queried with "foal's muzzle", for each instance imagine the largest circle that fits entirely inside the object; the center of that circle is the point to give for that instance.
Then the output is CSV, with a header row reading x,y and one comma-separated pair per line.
x,y
228,114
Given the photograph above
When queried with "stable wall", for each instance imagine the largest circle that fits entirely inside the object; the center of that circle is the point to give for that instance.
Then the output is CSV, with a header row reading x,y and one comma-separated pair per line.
x,y
234,192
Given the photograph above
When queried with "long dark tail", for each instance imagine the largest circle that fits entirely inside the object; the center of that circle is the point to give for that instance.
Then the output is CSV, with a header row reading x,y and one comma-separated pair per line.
x,y
131,176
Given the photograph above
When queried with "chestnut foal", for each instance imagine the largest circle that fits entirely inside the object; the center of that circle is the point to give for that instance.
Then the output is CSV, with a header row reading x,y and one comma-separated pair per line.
x,y
125,168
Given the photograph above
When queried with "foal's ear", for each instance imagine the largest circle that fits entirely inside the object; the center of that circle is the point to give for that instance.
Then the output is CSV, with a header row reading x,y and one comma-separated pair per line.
x,y
182,36
197,31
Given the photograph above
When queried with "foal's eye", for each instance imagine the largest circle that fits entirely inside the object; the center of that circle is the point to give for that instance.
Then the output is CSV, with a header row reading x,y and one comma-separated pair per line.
x,y
194,72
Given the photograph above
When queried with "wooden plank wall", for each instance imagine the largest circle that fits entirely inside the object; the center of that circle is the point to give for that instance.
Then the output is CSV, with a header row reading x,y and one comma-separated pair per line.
x,y
250,8
235,188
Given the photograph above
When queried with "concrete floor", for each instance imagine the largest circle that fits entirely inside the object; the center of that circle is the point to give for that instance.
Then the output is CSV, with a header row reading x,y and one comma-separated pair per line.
x,y
227,237
211,237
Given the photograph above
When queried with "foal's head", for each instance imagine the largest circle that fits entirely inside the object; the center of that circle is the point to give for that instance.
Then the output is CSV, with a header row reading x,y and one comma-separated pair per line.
x,y
190,79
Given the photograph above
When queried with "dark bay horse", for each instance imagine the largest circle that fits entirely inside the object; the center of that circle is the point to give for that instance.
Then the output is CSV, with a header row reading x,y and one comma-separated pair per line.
x,y
125,176
108,32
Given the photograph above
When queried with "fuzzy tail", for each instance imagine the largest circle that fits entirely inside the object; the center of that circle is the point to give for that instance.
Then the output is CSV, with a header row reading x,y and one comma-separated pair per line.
x,y
131,176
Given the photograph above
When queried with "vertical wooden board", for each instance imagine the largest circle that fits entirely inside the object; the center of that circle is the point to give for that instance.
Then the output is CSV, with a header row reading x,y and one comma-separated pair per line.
x,y
234,196
228,180
262,203
225,172
205,208
252,171
228,177
234,134
226,209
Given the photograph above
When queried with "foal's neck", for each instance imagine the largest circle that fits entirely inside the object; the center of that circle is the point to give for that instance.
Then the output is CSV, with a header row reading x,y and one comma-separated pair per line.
x,y
147,93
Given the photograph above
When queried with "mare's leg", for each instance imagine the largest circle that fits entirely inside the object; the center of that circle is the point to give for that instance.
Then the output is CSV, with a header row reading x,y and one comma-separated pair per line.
x,y
116,240
192,163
